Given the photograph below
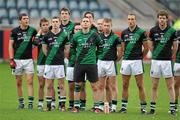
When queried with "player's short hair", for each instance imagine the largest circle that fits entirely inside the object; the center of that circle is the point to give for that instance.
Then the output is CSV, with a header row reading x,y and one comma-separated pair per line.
x,y
84,17
43,20
65,9
133,14
88,12
56,17
107,20
162,13
21,15
76,24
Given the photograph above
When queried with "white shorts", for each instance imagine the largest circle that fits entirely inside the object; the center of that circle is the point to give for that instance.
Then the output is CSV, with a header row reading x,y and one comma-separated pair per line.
x,y
177,69
54,71
70,73
161,68
131,67
26,66
106,68
40,70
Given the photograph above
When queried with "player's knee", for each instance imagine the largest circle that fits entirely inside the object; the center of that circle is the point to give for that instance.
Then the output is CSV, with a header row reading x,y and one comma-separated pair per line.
x,y
30,83
140,87
125,86
101,87
82,88
61,87
154,87
176,86
41,86
170,87
114,89
19,84
50,87
77,88
94,88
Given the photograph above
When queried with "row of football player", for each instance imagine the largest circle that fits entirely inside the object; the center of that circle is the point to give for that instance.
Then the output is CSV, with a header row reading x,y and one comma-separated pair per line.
x,y
111,47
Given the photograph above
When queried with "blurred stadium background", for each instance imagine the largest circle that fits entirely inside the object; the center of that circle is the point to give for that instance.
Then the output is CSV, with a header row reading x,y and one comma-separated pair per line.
x,y
115,9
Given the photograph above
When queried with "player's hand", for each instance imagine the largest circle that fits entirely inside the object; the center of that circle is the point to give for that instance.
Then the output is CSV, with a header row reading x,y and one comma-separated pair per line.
x,y
12,63
94,23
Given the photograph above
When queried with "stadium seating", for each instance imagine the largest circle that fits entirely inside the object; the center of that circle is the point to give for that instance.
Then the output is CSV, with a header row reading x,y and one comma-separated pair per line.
x,y
34,13
54,12
97,14
45,13
52,4
173,5
93,5
73,5
42,4
21,4
32,5
63,3
83,5
3,13
5,21
10,9
23,10
2,4
13,13
76,14
11,4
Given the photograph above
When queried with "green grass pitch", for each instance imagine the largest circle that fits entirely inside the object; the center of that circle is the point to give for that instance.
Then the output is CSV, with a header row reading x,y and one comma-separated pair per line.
x,y
9,103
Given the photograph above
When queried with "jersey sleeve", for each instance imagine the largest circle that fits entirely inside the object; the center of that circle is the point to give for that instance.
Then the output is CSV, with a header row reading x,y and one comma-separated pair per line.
x,y
118,41
98,39
73,46
35,32
151,36
36,41
122,37
144,36
175,36
45,39
67,41
72,53
12,35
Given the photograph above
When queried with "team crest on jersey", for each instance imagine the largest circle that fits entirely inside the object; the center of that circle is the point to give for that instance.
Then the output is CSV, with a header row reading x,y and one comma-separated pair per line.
x,y
80,40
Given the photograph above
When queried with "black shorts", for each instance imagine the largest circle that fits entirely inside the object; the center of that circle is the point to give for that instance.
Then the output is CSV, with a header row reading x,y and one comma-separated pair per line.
x,y
89,69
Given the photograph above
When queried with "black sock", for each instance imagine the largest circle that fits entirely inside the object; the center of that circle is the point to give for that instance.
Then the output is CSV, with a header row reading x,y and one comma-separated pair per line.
x,y
21,100
153,106
82,103
143,105
41,100
176,103
49,100
172,105
30,99
124,103
71,103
